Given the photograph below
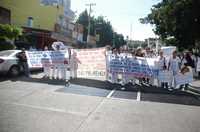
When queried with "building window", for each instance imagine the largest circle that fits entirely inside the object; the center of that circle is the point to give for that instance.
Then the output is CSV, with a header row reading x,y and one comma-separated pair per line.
x,y
5,16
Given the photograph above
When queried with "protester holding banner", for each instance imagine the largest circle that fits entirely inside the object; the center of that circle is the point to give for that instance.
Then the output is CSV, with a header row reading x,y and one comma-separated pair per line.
x,y
139,53
161,64
174,63
115,52
149,54
46,64
113,77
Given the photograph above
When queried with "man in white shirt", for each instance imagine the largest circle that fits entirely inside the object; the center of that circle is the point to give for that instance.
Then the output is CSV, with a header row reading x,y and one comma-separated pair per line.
x,y
174,64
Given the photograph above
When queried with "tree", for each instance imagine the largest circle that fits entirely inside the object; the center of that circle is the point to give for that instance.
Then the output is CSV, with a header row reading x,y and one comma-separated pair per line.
x,y
178,19
8,34
102,28
118,40
105,31
83,19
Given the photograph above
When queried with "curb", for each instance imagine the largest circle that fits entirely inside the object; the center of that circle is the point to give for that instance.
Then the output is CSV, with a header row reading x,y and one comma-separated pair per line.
x,y
194,89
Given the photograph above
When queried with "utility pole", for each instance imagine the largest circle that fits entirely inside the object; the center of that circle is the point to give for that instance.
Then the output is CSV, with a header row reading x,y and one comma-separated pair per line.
x,y
148,42
131,31
89,21
114,40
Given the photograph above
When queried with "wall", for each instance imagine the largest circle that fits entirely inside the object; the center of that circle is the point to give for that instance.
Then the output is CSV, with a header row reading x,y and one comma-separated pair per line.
x,y
44,16
4,16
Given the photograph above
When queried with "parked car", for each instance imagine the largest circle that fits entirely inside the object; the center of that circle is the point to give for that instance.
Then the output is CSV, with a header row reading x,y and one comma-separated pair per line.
x,y
9,63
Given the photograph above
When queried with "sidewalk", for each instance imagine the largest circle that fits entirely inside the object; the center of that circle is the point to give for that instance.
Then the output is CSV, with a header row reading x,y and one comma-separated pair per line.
x,y
39,107
195,87
196,84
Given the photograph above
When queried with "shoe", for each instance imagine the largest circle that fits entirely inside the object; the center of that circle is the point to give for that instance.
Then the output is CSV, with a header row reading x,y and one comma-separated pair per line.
x,y
170,89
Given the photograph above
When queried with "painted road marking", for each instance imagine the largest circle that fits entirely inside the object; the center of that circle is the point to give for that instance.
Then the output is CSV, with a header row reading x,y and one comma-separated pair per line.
x,y
49,109
111,93
138,96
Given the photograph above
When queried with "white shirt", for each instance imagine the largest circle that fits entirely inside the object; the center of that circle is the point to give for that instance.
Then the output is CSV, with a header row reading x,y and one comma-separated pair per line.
x,y
174,64
161,62
198,64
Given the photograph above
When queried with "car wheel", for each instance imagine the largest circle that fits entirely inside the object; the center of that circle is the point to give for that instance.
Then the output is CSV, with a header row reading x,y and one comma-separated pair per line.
x,y
14,71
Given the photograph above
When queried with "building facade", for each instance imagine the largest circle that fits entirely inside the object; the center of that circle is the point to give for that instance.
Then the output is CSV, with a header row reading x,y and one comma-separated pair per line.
x,y
32,13
45,20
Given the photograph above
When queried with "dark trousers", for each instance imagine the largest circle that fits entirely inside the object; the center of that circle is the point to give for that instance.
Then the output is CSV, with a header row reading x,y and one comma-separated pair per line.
x,y
164,85
25,68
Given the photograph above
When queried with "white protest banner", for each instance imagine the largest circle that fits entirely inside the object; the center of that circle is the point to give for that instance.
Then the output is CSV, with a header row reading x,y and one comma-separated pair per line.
x,y
137,67
165,76
181,79
89,63
37,59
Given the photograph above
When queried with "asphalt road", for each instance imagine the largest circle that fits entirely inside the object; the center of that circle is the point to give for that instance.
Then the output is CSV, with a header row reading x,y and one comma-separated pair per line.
x,y
42,105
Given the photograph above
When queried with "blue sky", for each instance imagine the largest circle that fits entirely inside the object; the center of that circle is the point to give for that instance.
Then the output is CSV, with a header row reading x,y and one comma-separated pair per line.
x,y
122,14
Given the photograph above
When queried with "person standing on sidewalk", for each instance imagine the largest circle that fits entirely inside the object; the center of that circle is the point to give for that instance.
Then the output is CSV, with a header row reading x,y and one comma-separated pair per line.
x,y
46,64
174,66
23,62
162,70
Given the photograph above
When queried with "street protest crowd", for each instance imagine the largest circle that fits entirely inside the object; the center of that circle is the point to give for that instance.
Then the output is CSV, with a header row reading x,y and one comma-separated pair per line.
x,y
175,70
171,70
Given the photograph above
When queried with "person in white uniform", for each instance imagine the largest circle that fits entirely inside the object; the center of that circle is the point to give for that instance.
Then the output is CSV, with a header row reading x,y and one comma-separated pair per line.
x,y
174,65
46,65
163,74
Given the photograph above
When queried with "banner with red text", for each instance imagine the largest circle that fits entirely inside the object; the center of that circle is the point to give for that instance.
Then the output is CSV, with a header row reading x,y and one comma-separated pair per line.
x,y
89,63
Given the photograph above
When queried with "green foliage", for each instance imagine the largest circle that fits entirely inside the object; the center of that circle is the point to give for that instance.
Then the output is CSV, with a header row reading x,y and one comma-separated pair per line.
x,y
6,45
83,19
9,32
176,18
105,31
118,40
101,27
171,42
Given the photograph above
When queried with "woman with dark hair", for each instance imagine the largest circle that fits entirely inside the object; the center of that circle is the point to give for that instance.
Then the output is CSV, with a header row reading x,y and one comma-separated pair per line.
x,y
186,69
198,64
189,61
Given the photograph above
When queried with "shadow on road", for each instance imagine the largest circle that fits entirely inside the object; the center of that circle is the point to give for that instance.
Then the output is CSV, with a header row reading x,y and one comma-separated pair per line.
x,y
129,91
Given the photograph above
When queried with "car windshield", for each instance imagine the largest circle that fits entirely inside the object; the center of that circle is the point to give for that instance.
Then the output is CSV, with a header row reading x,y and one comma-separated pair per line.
x,y
6,53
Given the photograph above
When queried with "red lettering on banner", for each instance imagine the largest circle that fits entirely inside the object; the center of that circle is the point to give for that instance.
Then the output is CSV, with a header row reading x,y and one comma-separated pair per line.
x,y
92,63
